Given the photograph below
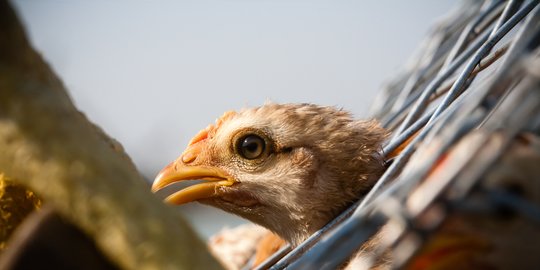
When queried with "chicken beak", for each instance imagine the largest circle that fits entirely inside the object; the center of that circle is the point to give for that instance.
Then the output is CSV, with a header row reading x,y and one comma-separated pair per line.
x,y
176,172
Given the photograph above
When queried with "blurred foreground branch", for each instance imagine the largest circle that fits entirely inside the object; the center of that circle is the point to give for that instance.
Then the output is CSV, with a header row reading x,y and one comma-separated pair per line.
x,y
50,147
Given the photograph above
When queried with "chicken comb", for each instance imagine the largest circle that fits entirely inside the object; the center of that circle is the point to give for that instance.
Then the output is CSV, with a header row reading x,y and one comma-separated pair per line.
x,y
210,130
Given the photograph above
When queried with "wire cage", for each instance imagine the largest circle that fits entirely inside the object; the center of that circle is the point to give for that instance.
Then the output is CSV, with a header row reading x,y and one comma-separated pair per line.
x,y
462,186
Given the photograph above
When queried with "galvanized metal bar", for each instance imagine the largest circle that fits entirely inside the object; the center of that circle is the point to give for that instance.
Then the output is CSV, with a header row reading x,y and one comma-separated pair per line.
x,y
346,228
308,243
422,98
428,57
433,117
294,255
318,255
482,52
469,32
272,260
343,234
509,10
411,130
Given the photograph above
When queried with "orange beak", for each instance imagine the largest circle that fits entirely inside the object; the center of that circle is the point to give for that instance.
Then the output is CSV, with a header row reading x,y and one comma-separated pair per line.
x,y
177,171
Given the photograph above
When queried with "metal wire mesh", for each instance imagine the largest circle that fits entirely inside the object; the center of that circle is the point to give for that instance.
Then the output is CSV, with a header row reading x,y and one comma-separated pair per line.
x,y
471,91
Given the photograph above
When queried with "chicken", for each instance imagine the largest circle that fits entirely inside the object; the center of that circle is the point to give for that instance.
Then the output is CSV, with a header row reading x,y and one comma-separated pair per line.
x,y
288,167
234,247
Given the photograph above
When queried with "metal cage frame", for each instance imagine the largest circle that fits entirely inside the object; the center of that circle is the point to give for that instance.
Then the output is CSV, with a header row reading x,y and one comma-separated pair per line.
x,y
478,70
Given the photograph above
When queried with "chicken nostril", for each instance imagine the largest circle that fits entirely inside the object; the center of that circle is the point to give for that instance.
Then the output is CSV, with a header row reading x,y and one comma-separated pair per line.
x,y
188,157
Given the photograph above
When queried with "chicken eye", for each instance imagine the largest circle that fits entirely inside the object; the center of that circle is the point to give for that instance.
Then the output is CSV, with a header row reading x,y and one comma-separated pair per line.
x,y
251,147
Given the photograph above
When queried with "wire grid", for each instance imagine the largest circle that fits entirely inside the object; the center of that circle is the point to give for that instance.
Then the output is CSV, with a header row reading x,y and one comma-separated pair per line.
x,y
477,72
